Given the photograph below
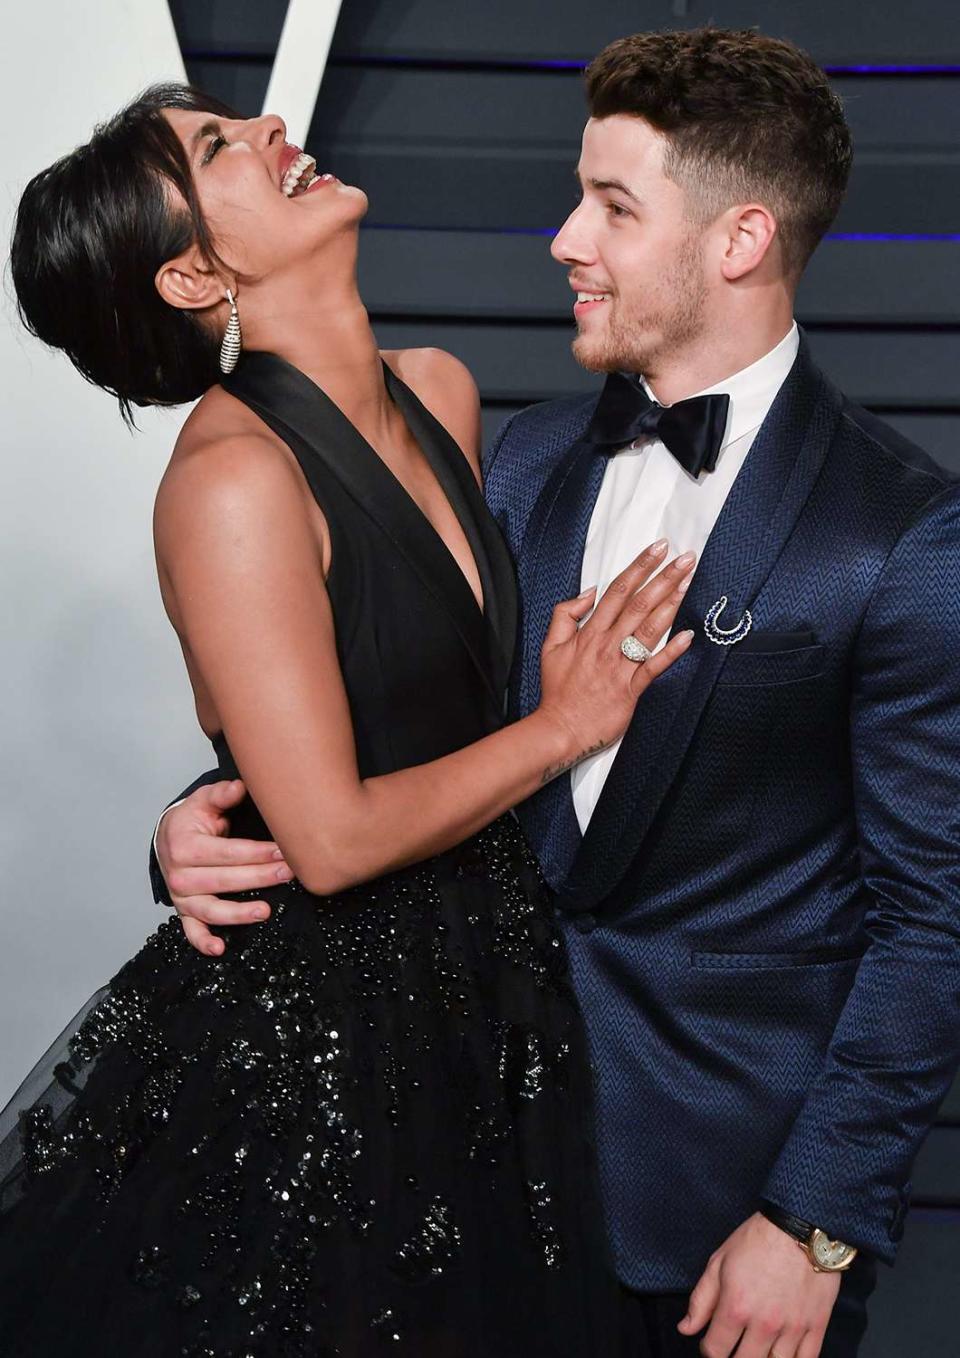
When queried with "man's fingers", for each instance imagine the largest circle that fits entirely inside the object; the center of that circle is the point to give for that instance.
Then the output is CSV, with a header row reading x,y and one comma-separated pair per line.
x,y
722,1337
211,851
760,1343
200,937
223,796
226,880
208,910
703,1299
810,1345
786,1345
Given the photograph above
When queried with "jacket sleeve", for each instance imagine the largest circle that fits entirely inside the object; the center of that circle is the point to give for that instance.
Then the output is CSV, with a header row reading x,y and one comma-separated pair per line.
x,y
159,887
489,462
895,1050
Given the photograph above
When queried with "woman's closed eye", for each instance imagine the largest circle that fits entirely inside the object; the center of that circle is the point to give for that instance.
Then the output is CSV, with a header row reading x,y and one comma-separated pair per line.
x,y
213,148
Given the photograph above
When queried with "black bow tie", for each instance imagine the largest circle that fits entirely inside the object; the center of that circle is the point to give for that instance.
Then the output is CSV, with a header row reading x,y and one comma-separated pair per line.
x,y
692,429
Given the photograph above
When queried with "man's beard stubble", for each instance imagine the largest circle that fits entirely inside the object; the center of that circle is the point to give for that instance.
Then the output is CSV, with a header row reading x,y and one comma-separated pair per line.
x,y
645,341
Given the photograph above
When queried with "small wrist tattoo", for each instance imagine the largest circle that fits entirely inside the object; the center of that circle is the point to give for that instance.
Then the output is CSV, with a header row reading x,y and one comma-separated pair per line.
x,y
554,770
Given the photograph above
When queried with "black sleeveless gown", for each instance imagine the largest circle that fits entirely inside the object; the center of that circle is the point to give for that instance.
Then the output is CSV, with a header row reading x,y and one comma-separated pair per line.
x,y
366,1127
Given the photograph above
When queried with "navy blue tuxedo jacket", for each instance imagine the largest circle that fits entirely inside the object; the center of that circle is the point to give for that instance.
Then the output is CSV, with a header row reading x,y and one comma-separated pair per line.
x,y
763,916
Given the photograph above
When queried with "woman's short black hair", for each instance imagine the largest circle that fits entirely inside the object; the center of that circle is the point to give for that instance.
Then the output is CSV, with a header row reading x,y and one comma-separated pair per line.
x,y
90,233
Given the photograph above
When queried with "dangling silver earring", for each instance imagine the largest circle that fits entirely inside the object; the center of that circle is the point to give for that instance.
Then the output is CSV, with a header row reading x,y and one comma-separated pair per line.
x,y
232,339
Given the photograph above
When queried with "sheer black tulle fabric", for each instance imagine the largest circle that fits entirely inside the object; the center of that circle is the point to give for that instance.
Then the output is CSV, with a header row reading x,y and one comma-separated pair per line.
x,y
363,1129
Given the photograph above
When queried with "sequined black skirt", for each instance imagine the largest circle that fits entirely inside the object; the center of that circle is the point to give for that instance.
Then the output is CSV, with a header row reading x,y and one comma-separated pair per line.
x,y
365,1128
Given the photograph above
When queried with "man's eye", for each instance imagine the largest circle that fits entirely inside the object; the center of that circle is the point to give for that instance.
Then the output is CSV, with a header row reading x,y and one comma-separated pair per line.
x,y
213,148
616,210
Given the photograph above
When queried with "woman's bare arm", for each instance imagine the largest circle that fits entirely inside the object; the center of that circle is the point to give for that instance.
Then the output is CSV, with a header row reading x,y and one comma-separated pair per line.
x,y
243,565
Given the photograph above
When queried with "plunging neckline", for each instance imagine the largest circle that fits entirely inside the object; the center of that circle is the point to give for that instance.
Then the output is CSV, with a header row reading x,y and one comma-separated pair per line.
x,y
391,377
439,468
297,409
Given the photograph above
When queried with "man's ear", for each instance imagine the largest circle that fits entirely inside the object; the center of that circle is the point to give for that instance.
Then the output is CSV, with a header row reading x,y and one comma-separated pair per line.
x,y
189,283
751,231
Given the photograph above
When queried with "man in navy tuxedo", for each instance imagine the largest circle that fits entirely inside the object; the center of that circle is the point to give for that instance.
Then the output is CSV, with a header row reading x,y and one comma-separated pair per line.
x,y
760,884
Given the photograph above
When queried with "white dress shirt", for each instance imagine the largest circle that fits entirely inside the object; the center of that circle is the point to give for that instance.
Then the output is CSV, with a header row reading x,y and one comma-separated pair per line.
x,y
647,495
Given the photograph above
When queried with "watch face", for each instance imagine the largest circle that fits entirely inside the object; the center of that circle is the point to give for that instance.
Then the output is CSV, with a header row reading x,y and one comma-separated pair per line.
x,y
830,1254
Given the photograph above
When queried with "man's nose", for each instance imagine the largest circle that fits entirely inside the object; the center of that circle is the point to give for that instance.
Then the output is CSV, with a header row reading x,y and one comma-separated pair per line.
x,y
571,245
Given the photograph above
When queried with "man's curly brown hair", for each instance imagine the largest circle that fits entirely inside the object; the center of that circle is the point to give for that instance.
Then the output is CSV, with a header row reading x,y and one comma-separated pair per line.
x,y
746,118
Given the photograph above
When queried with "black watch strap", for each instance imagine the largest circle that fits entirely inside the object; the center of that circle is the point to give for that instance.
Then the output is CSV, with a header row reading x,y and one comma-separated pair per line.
x,y
800,1230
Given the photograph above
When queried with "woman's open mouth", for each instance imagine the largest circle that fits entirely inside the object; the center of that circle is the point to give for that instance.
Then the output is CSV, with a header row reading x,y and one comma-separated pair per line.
x,y
301,177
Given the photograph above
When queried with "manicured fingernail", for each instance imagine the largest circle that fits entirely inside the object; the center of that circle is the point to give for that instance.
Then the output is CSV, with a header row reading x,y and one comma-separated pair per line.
x,y
261,912
277,853
685,637
584,592
659,547
687,559
284,874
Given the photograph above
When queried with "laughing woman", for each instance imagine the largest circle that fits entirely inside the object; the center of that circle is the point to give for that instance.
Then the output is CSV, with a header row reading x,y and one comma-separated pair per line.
x,y
366,1124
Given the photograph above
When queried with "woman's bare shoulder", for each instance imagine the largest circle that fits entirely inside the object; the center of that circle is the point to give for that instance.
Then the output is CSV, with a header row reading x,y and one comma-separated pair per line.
x,y
226,462
446,387
215,417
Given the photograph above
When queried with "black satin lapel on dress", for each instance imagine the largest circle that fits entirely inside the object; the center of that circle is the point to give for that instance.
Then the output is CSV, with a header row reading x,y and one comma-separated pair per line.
x,y
489,547
284,396
750,533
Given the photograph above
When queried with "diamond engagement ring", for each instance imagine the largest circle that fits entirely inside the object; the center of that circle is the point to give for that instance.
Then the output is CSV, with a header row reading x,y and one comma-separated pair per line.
x,y
635,650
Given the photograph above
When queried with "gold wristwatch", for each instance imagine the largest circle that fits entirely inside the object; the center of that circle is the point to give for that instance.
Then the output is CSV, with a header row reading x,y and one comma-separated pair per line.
x,y
826,1255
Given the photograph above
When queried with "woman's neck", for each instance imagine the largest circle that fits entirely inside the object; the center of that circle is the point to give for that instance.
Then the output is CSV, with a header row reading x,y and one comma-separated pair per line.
x,y
326,334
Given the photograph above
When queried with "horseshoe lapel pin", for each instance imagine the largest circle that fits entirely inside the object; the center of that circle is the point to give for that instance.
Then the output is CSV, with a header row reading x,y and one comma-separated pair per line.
x,y
725,636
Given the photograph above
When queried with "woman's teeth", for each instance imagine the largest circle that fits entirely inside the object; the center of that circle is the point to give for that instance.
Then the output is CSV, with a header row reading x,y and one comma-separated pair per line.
x,y
301,174
591,296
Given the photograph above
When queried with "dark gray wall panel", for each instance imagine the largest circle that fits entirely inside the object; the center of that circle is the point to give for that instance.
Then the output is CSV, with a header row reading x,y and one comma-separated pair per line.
x,y
912,1310
939,435
951,1106
431,273
545,30
229,26
242,84
538,109
936,1174
890,368
879,282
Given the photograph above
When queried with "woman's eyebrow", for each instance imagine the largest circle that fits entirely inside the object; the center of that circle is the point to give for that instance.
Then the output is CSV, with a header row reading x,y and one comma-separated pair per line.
x,y
209,128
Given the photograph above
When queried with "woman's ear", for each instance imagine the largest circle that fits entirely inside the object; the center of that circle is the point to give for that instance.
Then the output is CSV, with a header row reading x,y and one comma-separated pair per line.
x,y
188,283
